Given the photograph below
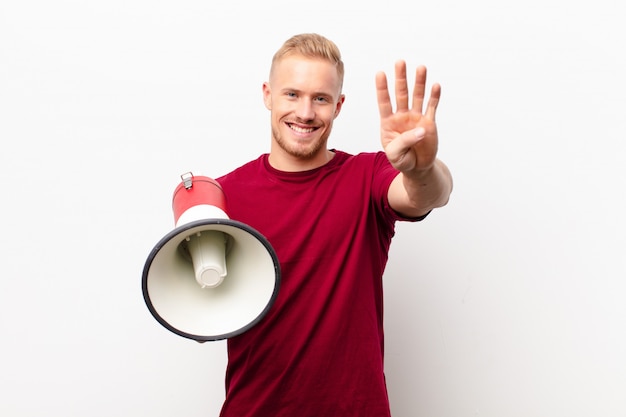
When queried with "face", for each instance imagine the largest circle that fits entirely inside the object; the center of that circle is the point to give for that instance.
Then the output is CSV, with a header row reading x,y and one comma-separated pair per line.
x,y
304,97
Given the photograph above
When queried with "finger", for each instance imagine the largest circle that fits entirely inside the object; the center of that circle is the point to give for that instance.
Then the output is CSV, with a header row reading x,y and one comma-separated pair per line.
x,y
402,88
433,101
382,95
419,90
398,149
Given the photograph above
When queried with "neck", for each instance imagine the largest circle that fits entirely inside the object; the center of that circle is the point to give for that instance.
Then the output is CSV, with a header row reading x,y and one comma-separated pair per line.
x,y
290,163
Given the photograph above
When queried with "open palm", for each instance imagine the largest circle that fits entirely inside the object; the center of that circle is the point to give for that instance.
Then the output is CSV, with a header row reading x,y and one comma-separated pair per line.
x,y
408,135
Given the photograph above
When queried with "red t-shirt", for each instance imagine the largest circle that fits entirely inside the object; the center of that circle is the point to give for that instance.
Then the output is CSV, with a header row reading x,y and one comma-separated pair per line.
x,y
319,350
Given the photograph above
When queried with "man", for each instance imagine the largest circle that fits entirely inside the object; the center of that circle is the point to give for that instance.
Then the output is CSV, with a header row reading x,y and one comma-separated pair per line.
x,y
330,217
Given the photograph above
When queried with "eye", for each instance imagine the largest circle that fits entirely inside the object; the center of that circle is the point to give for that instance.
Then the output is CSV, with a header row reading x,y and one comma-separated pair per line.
x,y
322,99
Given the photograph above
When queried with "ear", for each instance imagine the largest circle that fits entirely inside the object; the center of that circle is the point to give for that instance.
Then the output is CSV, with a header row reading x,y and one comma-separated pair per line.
x,y
267,95
342,98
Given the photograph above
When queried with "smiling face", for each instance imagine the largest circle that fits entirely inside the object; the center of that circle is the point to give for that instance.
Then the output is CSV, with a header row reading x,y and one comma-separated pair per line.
x,y
304,97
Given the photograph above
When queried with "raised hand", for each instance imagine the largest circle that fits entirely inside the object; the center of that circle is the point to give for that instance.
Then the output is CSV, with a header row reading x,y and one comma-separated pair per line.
x,y
408,135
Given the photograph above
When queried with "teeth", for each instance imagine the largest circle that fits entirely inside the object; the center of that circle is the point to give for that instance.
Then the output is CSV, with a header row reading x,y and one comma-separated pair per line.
x,y
301,130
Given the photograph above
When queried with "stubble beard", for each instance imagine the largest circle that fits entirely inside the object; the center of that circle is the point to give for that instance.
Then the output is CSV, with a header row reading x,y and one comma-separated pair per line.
x,y
300,152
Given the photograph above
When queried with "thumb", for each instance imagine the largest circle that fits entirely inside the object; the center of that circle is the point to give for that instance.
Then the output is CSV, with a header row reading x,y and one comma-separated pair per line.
x,y
419,133
399,151
406,140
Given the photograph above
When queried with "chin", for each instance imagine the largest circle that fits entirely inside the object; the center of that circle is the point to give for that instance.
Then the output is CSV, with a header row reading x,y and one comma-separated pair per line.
x,y
296,148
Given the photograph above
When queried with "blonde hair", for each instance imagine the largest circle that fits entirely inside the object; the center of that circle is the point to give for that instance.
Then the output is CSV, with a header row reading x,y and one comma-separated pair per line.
x,y
311,45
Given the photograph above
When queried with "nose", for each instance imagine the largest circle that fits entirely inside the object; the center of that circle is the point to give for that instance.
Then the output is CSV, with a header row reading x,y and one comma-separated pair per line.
x,y
304,110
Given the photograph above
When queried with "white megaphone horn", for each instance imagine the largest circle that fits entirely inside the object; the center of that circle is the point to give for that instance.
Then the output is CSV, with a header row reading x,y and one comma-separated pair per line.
x,y
210,278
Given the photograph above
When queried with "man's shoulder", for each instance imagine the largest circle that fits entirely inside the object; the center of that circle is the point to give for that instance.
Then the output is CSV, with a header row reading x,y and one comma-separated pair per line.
x,y
245,169
362,159
344,156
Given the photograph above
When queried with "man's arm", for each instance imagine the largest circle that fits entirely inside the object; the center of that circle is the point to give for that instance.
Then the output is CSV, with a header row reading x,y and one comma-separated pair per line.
x,y
410,140
416,196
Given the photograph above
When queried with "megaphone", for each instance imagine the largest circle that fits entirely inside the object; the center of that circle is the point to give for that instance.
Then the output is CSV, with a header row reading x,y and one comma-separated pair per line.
x,y
211,277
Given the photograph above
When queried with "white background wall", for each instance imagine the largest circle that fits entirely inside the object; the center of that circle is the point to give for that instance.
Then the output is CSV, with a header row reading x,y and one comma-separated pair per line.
x,y
508,302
